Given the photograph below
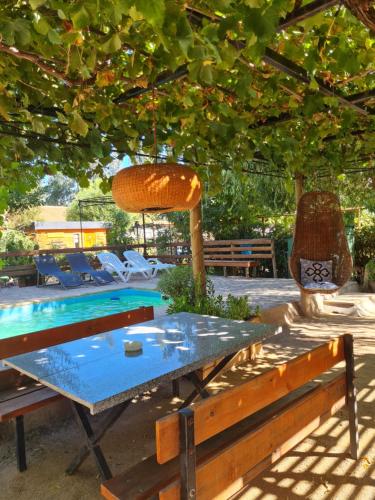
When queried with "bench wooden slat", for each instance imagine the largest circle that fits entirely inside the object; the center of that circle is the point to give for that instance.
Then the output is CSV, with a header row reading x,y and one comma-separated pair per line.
x,y
52,336
238,249
216,414
235,258
19,389
26,403
258,241
228,466
220,263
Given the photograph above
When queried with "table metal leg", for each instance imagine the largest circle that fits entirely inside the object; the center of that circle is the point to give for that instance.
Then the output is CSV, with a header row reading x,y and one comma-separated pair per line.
x,y
201,384
198,384
93,438
176,388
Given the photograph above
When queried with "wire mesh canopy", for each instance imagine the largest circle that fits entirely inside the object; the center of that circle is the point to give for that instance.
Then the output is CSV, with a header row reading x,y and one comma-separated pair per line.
x,y
320,236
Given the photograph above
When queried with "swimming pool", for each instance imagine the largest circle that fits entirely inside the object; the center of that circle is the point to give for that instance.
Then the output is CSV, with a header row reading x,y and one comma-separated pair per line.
x,y
40,316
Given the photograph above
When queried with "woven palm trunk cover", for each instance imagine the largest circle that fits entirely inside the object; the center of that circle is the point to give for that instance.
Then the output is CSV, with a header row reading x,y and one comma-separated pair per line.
x,y
320,235
162,188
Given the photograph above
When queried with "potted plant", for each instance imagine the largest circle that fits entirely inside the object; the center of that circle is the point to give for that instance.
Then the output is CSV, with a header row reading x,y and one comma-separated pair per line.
x,y
370,271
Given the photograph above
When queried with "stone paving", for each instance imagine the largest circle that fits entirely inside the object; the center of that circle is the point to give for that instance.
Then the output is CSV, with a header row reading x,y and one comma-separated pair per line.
x,y
263,292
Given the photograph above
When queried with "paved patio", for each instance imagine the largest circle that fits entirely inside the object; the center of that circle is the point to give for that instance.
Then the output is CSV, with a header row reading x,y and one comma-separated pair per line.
x,y
264,293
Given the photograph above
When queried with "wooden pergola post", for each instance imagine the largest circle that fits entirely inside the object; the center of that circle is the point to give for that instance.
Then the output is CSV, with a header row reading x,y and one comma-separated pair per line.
x,y
299,187
196,236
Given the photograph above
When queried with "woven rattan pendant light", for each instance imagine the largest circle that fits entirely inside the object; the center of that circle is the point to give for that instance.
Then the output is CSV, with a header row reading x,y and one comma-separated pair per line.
x,y
156,187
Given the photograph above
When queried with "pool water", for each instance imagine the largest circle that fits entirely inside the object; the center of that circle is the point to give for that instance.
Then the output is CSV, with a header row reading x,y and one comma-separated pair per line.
x,y
34,317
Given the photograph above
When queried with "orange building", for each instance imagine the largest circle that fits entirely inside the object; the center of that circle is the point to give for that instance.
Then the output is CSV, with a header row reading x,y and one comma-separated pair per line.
x,y
69,234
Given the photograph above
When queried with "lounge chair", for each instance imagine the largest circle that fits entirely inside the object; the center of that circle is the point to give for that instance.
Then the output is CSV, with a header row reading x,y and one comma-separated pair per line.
x,y
79,264
46,265
153,264
110,262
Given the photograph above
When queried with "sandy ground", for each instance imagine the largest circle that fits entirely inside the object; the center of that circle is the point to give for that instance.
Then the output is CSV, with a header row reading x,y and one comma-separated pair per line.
x,y
319,468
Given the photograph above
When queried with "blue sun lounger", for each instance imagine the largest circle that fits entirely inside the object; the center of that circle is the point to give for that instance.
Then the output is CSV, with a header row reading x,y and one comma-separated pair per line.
x,y
46,265
79,264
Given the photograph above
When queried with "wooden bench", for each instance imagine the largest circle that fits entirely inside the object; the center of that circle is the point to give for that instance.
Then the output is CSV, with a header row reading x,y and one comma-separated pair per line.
x,y
233,253
25,273
213,448
19,395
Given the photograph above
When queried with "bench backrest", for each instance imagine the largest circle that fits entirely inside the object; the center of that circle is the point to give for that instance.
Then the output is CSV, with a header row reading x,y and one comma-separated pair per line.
x,y
52,336
241,250
179,433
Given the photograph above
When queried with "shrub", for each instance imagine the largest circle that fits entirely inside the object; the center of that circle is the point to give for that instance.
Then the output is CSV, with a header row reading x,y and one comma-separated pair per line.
x,y
364,247
176,282
12,240
187,296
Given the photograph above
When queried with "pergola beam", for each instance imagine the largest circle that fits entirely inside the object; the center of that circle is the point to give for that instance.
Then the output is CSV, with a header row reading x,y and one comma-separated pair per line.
x,y
283,64
163,78
309,10
361,96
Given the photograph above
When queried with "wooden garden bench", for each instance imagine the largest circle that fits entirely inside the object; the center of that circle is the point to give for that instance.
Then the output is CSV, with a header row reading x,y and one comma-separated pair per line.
x,y
234,253
25,273
19,395
213,448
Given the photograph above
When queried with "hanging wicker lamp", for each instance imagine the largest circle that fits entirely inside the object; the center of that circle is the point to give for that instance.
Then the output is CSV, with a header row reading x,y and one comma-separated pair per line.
x,y
156,187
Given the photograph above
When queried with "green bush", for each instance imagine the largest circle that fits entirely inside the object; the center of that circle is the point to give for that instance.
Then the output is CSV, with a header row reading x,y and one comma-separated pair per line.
x,y
12,240
364,247
187,296
176,282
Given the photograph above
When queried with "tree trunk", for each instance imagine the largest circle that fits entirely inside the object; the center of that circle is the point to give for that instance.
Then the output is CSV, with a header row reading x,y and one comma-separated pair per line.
x,y
197,244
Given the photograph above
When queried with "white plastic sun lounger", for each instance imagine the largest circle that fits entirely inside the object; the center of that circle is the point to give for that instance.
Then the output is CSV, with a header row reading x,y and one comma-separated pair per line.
x,y
111,263
153,264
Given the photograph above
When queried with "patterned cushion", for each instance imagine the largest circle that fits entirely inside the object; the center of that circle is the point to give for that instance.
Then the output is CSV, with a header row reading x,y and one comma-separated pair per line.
x,y
316,271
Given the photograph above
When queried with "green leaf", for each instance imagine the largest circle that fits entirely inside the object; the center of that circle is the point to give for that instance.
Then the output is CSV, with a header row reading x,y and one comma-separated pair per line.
x,y
184,34
78,124
41,26
36,3
152,10
314,85
3,109
54,37
112,45
38,125
256,4
81,18
205,74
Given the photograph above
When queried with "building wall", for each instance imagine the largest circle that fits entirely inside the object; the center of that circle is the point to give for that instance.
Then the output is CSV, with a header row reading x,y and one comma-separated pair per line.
x,y
70,238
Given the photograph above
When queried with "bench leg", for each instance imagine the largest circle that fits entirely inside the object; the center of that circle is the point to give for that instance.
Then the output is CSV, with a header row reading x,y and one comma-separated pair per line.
x,y
20,444
247,275
187,455
225,271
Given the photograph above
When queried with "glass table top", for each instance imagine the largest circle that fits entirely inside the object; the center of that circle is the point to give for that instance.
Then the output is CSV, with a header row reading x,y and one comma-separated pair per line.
x,y
98,373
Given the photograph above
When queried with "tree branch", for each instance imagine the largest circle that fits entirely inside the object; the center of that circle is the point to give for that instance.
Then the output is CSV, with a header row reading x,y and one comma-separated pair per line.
x,y
38,61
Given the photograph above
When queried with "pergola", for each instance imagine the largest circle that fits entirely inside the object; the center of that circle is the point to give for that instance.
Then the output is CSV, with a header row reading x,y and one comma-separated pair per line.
x,y
81,127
